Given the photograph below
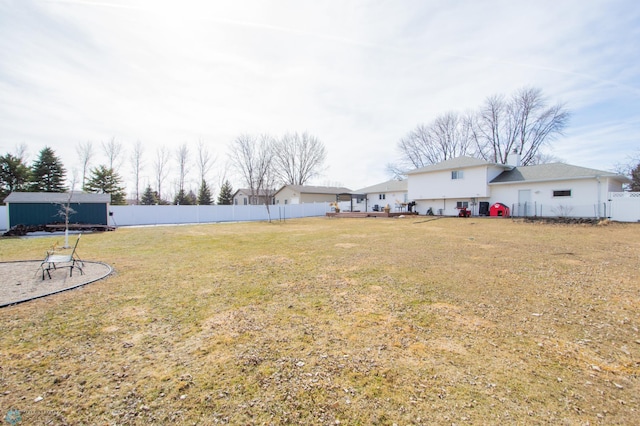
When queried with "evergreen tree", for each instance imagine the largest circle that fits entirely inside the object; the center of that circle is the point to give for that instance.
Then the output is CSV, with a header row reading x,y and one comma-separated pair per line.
x,y
149,197
106,181
14,175
47,173
635,179
182,198
204,194
225,197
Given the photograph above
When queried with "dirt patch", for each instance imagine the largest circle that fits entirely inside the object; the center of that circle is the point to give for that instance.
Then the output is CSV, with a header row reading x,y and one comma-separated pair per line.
x,y
22,281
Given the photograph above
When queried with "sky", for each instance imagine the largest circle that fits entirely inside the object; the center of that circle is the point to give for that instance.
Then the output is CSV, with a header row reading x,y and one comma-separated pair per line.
x,y
358,75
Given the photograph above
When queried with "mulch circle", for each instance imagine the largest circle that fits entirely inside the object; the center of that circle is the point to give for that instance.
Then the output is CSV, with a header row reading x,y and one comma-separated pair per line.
x,y
22,281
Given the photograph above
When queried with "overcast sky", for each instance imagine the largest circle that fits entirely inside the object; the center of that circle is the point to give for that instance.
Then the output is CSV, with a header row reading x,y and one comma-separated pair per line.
x,y
358,75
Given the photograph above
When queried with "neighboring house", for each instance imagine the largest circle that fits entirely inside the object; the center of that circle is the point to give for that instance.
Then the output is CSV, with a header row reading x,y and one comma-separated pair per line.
x,y
243,197
544,190
392,192
43,208
298,194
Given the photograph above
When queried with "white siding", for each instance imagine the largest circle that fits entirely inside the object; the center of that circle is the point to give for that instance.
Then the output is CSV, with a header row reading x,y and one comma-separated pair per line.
x,y
588,198
440,185
393,199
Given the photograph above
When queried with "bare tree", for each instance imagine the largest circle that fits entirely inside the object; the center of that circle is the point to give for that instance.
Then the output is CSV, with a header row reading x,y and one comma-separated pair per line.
x,y
21,152
522,124
183,158
448,136
205,160
160,165
85,154
298,158
113,151
252,157
137,164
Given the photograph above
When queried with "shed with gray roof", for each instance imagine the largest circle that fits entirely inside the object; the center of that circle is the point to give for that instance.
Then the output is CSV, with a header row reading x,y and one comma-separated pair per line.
x,y
44,208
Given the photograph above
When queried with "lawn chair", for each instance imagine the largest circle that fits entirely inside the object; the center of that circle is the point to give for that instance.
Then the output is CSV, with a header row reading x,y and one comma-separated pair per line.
x,y
55,261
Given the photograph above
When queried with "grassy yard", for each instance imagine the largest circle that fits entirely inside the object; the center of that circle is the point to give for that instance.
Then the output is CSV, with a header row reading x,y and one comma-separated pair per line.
x,y
335,321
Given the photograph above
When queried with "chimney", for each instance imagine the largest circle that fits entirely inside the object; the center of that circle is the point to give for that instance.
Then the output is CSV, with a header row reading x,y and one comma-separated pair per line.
x,y
513,158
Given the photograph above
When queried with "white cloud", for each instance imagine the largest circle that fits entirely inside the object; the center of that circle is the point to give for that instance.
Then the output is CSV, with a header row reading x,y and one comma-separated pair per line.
x,y
356,74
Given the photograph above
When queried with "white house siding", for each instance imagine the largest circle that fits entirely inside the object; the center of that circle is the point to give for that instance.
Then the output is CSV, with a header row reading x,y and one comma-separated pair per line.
x,y
317,198
588,197
438,191
381,199
298,194
287,196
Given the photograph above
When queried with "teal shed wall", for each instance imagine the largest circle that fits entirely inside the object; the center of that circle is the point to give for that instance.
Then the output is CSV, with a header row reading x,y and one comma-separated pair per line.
x,y
45,213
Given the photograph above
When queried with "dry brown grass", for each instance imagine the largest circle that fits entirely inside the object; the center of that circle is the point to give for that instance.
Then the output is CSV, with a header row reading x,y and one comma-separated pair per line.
x,y
319,321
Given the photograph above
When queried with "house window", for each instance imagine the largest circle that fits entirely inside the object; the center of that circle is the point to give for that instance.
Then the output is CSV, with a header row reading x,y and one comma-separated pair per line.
x,y
457,174
562,193
286,201
462,205
245,201
382,196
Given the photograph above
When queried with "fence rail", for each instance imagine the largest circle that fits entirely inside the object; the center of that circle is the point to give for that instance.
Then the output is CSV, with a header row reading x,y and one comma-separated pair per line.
x,y
163,215
550,210
621,206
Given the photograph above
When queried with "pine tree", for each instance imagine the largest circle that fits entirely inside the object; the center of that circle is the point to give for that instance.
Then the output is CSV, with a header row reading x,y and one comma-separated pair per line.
x,y
14,175
149,197
204,194
635,179
47,173
182,198
106,181
225,198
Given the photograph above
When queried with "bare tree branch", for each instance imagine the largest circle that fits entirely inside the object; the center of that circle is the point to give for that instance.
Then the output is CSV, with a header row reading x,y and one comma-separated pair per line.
x,y
524,124
161,171
448,136
113,150
298,158
137,164
85,154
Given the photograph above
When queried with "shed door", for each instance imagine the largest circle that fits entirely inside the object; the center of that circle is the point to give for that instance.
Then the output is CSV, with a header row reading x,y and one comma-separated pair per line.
x,y
524,203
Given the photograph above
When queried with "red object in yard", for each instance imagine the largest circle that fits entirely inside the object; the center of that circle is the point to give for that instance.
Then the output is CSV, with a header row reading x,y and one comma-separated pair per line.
x,y
499,209
464,212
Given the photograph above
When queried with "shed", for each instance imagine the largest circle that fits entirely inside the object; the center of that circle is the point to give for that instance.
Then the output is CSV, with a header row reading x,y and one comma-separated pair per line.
x,y
42,208
499,209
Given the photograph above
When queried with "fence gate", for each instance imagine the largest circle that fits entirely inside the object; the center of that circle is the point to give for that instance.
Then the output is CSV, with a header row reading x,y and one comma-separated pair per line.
x,y
625,206
524,203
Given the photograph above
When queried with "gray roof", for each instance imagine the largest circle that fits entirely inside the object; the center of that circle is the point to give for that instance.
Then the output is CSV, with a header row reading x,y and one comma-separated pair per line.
x,y
247,191
393,185
455,163
307,189
56,197
551,171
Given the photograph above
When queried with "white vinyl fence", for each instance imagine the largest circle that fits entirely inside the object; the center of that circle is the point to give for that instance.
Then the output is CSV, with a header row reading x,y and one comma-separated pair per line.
x,y
4,218
621,207
625,206
164,215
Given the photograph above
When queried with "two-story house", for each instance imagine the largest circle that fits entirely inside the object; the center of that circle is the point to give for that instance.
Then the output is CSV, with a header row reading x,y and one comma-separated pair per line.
x,y
554,189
